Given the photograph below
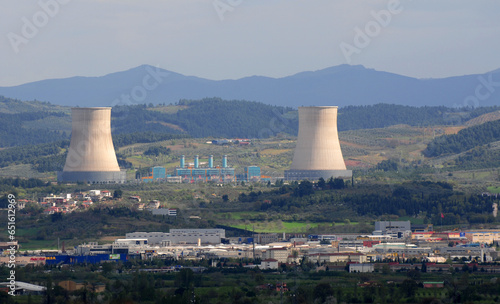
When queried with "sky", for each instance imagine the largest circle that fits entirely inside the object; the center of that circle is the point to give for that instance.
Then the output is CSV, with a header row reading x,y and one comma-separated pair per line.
x,y
231,39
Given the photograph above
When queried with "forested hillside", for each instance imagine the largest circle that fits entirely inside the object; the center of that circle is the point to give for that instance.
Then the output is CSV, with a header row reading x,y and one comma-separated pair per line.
x,y
236,118
464,140
31,154
12,106
14,130
385,115
210,117
28,123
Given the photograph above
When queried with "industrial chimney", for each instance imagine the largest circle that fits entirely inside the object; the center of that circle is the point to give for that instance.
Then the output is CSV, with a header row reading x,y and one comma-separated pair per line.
x,y
317,153
91,155
224,161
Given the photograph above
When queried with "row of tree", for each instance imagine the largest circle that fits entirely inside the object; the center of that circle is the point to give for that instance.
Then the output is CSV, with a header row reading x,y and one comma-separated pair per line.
x,y
432,200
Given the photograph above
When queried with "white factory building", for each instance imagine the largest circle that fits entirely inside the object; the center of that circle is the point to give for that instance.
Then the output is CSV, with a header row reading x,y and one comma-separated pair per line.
x,y
181,236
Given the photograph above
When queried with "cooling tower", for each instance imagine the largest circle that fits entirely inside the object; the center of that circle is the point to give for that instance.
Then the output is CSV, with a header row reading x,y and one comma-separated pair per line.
x,y
91,155
317,153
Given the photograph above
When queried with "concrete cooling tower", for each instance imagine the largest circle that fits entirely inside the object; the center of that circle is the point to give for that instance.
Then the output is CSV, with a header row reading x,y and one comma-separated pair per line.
x,y
91,155
317,153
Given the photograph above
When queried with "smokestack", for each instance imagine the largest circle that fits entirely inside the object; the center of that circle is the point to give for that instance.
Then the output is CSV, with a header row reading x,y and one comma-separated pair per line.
x,y
196,161
211,161
224,161
183,161
91,154
317,153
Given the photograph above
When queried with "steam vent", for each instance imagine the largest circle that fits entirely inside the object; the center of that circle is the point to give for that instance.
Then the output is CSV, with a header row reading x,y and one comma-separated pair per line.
x,y
317,153
91,156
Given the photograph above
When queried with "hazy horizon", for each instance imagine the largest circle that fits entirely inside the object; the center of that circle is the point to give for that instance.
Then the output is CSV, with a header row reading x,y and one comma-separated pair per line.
x,y
221,39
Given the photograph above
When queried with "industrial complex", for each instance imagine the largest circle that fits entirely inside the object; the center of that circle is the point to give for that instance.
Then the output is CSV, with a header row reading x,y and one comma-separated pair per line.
x,y
396,241
222,173
92,159
188,173
317,155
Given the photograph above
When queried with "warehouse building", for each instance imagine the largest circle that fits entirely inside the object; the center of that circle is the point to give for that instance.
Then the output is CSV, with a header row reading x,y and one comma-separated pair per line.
x,y
181,236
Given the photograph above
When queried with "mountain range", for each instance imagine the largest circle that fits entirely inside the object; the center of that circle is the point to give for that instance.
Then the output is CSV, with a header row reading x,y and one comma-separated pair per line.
x,y
341,85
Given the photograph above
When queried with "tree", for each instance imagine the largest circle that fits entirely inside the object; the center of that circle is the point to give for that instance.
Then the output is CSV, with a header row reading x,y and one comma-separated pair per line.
x,y
336,183
157,151
322,291
409,288
108,267
387,165
225,198
49,293
305,188
424,267
184,278
321,183
117,193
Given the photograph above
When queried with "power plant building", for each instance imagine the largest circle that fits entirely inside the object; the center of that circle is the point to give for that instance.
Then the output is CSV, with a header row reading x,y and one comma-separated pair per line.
x,y
252,173
213,173
91,154
317,153
155,173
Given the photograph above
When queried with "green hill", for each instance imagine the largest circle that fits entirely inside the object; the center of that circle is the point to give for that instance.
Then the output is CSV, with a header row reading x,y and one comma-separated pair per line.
x,y
464,140
209,117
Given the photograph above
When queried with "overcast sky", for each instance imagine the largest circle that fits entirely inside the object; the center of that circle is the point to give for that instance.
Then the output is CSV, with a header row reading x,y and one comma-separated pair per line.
x,y
230,39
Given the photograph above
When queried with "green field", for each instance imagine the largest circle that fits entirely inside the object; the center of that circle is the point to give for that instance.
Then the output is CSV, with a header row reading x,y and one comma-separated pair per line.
x,y
277,227
493,189
415,221
39,244
244,215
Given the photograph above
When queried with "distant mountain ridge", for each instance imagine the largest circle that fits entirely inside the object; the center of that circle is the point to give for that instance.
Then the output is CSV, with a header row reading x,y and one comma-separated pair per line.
x,y
341,85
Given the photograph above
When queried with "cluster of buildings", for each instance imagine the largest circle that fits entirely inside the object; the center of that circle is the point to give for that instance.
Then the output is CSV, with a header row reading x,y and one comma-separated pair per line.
x,y
359,252
235,141
205,172
70,202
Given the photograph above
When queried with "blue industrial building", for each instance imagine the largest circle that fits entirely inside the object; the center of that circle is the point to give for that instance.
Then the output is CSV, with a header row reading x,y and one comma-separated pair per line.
x,y
155,173
252,174
84,259
196,173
